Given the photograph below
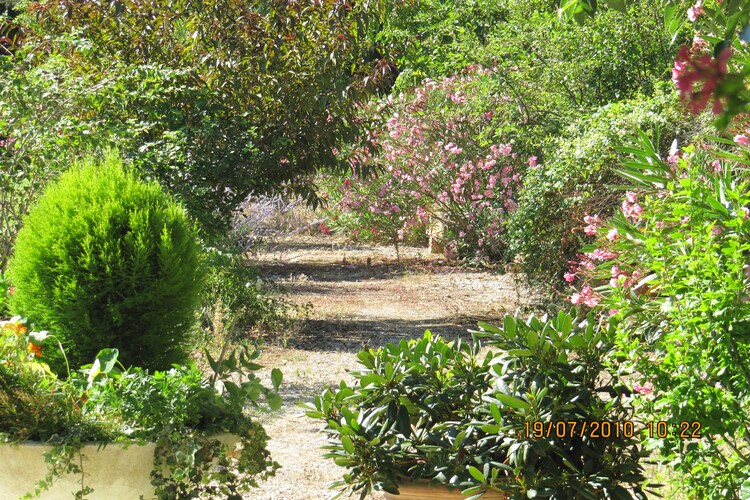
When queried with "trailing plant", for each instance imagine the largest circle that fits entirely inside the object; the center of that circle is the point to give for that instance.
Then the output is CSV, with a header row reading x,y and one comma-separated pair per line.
x,y
107,260
181,410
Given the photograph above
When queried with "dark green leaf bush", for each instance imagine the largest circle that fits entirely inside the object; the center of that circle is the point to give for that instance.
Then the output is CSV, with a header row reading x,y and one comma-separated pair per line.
x,y
542,414
405,414
105,260
568,429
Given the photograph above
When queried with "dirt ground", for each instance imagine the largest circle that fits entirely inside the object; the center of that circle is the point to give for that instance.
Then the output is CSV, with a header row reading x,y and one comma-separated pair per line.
x,y
360,296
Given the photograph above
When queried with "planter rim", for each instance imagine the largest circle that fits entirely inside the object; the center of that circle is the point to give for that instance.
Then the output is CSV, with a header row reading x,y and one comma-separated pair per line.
x,y
221,436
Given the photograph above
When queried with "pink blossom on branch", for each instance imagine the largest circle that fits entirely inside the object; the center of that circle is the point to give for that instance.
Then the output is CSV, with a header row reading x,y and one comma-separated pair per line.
x,y
697,77
585,296
644,389
695,11
593,223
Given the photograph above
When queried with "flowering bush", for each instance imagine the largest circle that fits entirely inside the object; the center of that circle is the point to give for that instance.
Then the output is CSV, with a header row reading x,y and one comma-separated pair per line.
x,y
576,179
713,69
439,163
672,267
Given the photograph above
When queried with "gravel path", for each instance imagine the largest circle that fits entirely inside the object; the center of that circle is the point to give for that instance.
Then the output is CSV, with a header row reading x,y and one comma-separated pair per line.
x,y
360,295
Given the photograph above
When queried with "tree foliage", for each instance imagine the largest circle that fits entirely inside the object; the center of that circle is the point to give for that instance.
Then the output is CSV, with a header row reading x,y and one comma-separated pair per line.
x,y
215,99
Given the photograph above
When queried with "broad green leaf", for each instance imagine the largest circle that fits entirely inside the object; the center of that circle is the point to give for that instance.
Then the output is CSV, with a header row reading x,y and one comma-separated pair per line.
x,y
476,474
107,359
509,325
512,401
346,442
274,401
276,377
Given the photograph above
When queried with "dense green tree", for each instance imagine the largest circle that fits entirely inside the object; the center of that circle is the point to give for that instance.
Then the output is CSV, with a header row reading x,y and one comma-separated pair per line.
x,y
215,99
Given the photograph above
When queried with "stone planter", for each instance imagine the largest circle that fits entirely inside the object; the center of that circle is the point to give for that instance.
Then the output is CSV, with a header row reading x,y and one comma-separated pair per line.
x,y
114,471
426,491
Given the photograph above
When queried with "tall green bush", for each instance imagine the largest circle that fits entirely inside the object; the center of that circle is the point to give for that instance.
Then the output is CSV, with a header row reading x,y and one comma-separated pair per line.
x,y
106,260
576,178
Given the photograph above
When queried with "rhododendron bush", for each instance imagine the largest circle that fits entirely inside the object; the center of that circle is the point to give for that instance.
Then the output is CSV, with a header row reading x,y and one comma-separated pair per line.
x,y
441,162
672,267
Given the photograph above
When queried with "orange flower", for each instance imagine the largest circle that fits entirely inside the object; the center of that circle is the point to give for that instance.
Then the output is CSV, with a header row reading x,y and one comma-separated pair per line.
x,y
36,349
17,328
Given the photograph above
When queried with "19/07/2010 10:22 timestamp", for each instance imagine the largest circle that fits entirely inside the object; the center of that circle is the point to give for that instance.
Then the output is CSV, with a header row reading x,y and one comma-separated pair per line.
x,y
611,429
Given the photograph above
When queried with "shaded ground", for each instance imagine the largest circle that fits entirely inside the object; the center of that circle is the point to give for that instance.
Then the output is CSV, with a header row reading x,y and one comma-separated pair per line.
x,y
356,304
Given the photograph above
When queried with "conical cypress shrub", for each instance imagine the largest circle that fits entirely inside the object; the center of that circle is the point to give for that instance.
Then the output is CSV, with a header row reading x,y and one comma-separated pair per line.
x,y
106,260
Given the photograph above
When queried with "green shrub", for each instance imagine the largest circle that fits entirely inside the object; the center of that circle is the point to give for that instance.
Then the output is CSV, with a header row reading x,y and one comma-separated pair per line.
x,y
674,272
105,260
561,410
235,299
576,178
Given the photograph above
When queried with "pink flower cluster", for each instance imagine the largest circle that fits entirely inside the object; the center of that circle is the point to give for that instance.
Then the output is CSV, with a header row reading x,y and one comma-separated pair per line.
x,y
630,207
697,76
593,222
644,389
695,11
586,296
435,168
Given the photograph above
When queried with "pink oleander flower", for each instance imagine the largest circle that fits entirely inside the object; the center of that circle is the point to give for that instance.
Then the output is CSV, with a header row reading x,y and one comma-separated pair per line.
x,y
586,295
532,161
601,254
615,271
631,211
699,43
698,76
695,11
644,389
569,277
612,234
741,139
612,312
593,223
